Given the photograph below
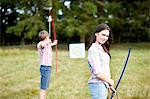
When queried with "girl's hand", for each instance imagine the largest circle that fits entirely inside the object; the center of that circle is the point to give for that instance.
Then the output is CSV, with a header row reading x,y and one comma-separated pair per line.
x,y
111,82
112,90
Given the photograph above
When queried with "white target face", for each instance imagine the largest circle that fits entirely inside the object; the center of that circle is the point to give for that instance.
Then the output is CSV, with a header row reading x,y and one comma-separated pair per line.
x,y
77,50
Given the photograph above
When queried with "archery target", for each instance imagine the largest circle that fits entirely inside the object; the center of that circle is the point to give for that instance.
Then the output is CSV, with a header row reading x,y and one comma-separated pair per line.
x,y
77,50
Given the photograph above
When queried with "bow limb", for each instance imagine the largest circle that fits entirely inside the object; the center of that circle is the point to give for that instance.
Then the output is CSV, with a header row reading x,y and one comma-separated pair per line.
x,y
56,49
123,70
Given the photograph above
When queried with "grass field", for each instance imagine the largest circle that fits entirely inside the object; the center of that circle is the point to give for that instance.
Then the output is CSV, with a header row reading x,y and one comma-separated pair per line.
x,y
19,74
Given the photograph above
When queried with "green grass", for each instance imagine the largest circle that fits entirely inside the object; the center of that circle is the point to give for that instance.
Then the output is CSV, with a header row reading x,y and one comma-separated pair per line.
x,y
19,74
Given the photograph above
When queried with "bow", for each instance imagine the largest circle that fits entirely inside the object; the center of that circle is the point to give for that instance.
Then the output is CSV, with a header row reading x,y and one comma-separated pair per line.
x,y
51,26
56,49
54,34
126,61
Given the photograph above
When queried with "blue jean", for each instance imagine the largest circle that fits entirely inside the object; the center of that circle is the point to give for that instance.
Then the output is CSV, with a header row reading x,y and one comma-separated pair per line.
x,y
98,90
45,76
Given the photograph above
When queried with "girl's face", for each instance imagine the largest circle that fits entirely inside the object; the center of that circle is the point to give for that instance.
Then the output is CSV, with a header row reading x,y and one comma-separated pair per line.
x,y
102,36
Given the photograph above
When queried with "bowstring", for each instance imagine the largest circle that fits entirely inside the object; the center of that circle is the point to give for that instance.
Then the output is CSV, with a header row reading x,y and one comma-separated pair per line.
x,y
118,73
120,68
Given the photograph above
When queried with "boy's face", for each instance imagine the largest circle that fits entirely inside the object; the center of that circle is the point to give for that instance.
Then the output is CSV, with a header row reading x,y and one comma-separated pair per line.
x,y
43,36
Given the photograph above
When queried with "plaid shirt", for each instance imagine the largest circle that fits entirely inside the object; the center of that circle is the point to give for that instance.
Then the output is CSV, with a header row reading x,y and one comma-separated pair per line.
x,y
98,61
45,53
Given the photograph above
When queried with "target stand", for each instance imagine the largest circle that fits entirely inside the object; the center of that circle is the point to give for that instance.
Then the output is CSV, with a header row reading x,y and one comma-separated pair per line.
x,y
77,50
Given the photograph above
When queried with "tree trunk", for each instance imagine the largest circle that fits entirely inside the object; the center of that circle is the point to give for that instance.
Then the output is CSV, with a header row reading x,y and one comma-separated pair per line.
x,y
82,38
22,39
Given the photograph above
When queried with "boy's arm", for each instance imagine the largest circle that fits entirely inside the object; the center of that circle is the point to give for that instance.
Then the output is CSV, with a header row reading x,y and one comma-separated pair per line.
x,y
54,43
39,45
43,44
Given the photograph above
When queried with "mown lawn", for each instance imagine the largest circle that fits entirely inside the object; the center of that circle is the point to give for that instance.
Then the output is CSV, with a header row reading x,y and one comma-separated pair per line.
x,y
19,74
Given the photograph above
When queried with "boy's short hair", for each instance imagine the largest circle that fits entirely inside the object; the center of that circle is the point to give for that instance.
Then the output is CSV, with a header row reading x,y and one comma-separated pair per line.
x,y
43,34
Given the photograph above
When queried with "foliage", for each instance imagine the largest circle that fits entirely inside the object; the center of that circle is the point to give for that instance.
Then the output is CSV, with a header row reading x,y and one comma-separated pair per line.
x,y
127,23
27,28
27,20
129,20
78,18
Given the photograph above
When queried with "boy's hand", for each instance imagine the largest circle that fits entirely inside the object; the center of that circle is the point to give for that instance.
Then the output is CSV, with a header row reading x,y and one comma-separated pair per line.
x,y
55,42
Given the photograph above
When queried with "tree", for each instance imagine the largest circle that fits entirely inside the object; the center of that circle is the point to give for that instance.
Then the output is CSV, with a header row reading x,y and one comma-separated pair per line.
x,y
27,28
28,19
7,18
129,20
79,19
127,23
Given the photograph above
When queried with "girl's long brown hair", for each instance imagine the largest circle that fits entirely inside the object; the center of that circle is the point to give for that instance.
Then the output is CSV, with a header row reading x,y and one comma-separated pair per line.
x,y
107,44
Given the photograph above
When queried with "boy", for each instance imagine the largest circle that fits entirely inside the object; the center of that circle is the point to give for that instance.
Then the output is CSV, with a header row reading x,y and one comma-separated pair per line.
x,y
45,51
